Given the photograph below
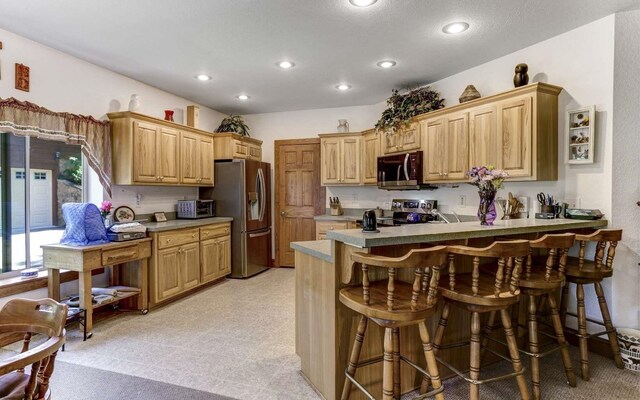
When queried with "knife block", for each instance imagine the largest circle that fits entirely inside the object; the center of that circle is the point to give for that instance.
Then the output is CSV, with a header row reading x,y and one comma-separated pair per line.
x,y
336,209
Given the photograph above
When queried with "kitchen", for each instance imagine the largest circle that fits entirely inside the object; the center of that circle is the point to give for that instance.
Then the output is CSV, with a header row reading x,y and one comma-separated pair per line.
x,y
554,57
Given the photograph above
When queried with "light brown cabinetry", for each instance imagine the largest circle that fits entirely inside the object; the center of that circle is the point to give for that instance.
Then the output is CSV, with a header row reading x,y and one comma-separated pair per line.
x,y
516,131
184,259
324,226
151,151
370,154
403,140
196,159
447,147
228,146
341,159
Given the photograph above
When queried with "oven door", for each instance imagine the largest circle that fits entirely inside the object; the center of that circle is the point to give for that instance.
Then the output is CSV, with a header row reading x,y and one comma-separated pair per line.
x,y
400,170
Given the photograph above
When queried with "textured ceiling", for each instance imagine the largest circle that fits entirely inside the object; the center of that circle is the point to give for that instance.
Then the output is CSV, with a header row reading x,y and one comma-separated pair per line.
x,y
166,43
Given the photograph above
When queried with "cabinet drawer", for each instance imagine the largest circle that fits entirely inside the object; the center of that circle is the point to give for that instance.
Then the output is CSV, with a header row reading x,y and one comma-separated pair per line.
x,y
213,231
176,238
325,226
121,255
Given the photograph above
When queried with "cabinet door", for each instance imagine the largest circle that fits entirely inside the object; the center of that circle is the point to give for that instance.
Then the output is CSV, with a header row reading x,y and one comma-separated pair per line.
x,y
330,158
190,254
224,251
169,155
457,146
483,136
209,258
515,136
391,142
145,151
168,266
189,157
255,152
240,149
410,137
205,161
350,160
370,153
435,149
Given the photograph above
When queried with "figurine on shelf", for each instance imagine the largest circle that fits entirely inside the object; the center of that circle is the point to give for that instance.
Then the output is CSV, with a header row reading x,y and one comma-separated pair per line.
x,y
521,77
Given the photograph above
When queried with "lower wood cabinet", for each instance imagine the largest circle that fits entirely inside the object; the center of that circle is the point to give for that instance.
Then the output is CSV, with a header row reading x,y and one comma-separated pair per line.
x,y
184,259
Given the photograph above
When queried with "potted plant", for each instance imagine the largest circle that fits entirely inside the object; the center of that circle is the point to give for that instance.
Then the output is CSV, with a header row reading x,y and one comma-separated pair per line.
x,y
402,107
235,124
488,180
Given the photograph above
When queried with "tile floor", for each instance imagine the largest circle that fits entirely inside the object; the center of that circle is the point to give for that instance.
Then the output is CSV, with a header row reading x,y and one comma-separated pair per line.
x,y
235,339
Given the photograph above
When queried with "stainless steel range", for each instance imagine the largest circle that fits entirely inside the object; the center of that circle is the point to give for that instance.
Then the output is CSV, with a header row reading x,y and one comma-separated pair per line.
x,y
410,211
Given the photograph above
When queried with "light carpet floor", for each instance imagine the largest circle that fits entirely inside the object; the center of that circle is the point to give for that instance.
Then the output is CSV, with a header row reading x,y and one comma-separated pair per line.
x,y
237,339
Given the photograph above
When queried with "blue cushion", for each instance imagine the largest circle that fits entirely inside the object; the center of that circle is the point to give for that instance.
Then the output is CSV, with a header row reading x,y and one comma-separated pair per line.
x,y
84,225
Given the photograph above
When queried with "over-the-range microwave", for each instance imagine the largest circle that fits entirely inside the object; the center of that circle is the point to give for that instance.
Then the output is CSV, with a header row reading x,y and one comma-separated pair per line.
x,y
401,172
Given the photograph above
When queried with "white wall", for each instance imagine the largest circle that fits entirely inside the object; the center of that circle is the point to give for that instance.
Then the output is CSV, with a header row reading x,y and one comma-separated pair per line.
x,y
626,164
581,61
61,82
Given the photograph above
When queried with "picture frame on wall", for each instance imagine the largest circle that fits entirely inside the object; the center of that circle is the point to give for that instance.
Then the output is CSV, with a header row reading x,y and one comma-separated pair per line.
x,y
580,135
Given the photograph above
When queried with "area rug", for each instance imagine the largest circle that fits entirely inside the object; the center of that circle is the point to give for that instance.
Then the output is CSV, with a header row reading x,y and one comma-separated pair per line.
x,y
77,382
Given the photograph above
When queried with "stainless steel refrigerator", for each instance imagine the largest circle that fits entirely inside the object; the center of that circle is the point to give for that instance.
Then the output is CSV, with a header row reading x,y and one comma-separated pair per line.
x,y
243,191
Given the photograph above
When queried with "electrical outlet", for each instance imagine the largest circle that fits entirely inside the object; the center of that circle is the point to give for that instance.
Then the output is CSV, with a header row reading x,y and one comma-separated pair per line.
x,y
462,200
573,202
138,199
386,205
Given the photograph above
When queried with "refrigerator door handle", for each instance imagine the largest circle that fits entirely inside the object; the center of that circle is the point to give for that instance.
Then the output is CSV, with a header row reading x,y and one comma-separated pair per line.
x,y
262,194
255,235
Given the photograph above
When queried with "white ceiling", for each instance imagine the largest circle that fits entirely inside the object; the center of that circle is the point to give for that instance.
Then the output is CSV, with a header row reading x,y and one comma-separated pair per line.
x,y
166,43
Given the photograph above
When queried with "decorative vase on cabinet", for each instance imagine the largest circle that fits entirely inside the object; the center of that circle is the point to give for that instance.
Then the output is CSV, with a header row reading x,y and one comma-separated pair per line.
x,y
343,126
487,208
134,102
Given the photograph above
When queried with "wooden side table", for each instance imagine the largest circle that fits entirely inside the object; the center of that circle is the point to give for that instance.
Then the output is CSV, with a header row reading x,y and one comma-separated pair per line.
x,y
84,259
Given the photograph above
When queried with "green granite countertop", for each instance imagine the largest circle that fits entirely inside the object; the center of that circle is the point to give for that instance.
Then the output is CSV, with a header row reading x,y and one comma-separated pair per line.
x,y
317,248
184,223
423,233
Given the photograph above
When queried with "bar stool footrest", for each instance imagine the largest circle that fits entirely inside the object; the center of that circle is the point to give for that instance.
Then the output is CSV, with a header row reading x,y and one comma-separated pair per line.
x,y
481,381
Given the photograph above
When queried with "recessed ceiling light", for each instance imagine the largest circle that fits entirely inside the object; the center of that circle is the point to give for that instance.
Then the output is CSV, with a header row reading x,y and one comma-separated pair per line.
x,y
285,64
343,87
455,27
243,97
362,3
386,64
203,77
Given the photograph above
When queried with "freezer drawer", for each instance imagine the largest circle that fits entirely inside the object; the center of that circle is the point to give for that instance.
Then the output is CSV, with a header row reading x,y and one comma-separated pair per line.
x,y
258,251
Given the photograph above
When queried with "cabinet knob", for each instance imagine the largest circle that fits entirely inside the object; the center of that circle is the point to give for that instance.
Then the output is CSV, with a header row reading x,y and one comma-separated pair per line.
x,y
446,173
193,235
331,228
168,240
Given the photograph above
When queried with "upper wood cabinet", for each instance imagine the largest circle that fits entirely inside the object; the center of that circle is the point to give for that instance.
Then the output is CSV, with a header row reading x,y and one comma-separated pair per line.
x,y
446,155
230,146
516,131
341,159
370,153
406,139
151,151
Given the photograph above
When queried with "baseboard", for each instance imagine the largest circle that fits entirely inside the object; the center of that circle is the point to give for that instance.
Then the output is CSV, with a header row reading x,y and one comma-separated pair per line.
x,y
596,344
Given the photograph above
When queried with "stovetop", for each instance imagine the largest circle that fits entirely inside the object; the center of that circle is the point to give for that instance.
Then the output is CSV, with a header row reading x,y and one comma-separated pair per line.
x,y
411,211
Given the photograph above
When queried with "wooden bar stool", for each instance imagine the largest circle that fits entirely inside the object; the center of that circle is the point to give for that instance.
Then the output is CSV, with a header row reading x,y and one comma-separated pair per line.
x,y
584,272
543,276
478,293
392,304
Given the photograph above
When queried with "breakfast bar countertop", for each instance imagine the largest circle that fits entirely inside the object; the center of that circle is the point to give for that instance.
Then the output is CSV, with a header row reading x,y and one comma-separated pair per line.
x,y
421,233
317,248
184,223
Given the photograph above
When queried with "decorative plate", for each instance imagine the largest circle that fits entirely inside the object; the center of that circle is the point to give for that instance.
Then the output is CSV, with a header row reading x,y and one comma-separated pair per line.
x,y
124,214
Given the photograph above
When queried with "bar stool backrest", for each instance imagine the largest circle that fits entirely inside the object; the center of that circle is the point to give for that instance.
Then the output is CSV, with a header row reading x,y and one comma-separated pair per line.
x,y
557,246
504,251
426,263
607,239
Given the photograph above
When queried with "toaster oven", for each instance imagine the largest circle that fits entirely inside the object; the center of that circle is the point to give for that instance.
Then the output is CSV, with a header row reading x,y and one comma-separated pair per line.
x,y
192,209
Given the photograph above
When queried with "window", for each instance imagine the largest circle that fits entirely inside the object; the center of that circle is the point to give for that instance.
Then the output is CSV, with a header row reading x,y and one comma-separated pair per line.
x,y
31,209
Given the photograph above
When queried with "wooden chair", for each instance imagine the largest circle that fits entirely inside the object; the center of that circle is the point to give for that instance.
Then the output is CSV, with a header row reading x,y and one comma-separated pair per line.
x,y
392,304
581,271
45,317
543,276
478,293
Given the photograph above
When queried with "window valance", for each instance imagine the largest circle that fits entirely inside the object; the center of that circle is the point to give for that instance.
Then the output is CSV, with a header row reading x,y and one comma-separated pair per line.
x,y
27,119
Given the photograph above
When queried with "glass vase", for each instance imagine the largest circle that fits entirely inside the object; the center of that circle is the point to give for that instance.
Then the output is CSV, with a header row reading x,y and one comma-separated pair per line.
x,y
487,208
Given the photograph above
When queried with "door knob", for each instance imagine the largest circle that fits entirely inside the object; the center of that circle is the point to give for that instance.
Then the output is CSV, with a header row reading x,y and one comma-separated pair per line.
x,y
283,213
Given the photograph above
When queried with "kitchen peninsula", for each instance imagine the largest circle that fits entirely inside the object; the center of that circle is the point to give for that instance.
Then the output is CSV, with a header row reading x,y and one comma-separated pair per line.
x,y
325,328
